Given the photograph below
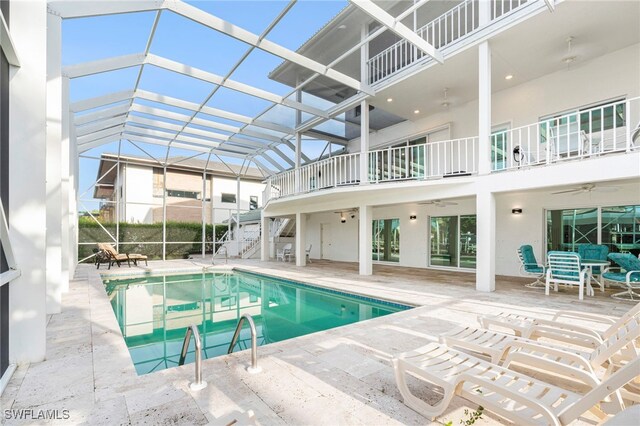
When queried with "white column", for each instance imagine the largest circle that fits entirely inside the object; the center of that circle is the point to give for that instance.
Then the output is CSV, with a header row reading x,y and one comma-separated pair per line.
x,y
364,55
298,161
301,239
74,171
65,172
27,188
264,237
364,142
484,108
53,168
364,240
486,241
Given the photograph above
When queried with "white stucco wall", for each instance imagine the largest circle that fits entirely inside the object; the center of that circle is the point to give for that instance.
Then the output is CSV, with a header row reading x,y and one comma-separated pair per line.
x,y
512,230
138,188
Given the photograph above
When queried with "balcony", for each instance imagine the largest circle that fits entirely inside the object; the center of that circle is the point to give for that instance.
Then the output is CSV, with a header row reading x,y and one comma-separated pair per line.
x,y
449,29
589,133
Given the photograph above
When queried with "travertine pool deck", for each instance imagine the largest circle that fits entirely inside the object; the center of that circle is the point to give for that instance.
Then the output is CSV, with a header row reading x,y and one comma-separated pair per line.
x,y
339,376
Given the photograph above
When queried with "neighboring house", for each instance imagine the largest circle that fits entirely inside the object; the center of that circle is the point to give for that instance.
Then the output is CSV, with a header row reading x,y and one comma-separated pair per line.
x,y
140,185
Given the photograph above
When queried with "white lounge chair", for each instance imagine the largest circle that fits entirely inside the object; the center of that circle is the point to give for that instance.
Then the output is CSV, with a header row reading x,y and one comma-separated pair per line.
x,y
564,268
531,327
583,365
284,253
514,396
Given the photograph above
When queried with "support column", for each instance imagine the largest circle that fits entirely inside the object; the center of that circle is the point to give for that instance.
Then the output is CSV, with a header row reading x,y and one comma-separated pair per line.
x,y
364,142
264,237
237,236
27,186
74,171
64,189
53,167
298,162
484,108
486,241
365,240
301,239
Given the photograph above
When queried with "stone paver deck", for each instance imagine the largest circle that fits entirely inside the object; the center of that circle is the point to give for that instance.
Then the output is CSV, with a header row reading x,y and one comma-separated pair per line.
x,y
334,377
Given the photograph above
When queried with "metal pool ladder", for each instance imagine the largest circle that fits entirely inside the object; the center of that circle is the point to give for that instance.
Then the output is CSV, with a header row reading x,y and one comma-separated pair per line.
x,y
193,330
254,342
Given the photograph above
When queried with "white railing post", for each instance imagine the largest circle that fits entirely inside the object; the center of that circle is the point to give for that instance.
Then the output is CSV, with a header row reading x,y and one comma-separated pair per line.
x,y
627,113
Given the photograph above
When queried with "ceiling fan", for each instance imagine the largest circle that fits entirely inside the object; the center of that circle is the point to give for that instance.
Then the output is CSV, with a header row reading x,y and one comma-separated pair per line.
x,y
587,188
440,203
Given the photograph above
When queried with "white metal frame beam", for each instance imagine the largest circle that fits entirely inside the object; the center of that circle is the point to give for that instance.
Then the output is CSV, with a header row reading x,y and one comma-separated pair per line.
x,y
397,27
5,242
140,59
86,9
6,43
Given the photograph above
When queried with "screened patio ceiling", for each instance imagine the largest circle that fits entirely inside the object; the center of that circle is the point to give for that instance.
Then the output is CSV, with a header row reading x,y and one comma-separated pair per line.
x,y
174,79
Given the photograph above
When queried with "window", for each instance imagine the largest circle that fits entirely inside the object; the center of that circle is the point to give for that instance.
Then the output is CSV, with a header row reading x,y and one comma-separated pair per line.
x,y
593,123
386,240
499,147
183,194
453,241
253,202
228,198
619,229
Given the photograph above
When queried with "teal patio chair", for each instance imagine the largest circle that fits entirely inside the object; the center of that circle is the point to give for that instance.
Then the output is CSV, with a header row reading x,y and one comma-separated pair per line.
x,y
565,268
630,278
529,266
593,252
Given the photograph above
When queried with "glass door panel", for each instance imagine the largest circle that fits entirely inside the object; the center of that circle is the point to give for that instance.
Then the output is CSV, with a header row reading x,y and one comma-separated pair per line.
x,y
566,229
386,240
468,241
499,150
444,239
621,229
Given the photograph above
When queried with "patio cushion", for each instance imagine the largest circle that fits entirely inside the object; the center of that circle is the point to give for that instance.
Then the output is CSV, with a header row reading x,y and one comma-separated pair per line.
x,y
529,259
593,252
565,268
627,261
621,277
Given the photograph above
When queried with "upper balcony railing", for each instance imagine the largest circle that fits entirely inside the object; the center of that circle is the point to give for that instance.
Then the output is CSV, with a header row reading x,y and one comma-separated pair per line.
x,y
612,127
609,128
447,29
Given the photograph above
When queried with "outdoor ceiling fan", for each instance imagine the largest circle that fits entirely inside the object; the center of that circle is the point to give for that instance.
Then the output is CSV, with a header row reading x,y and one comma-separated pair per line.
x,y
589,187
440,203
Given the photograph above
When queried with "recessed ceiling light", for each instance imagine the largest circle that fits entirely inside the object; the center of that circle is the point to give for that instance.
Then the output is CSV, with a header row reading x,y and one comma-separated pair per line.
x,y
389,99
342,27
417,111
508,77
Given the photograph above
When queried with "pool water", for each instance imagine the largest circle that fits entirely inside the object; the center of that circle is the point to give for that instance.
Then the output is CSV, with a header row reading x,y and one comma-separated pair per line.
x,y
154,311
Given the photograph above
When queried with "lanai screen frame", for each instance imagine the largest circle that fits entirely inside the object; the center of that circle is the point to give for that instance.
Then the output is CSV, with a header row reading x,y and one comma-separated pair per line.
x,y
107,125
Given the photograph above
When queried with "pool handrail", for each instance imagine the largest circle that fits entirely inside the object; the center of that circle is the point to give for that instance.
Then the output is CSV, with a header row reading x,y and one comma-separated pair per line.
x,y
193,330
254,342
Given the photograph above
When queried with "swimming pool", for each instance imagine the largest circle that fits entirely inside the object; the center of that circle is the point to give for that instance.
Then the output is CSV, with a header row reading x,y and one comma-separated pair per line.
x,y
154,311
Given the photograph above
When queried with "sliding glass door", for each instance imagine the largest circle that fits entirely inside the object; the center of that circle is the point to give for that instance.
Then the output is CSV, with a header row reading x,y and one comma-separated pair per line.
x,y
453,241
386,240
615,226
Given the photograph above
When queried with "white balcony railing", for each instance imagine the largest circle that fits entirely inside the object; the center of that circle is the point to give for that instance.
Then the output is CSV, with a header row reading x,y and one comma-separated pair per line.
x,y
608,128
437,159
443,31
328,173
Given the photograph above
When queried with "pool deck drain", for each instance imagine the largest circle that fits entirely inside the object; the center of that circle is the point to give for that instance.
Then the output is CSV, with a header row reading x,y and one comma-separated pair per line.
x,y
333,377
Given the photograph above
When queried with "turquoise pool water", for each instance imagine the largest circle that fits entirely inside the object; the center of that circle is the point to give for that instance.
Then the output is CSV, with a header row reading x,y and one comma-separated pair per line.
x,y
154,312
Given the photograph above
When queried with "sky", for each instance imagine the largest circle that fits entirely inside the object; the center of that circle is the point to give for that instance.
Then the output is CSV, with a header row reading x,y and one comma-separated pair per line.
x,y
182,40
